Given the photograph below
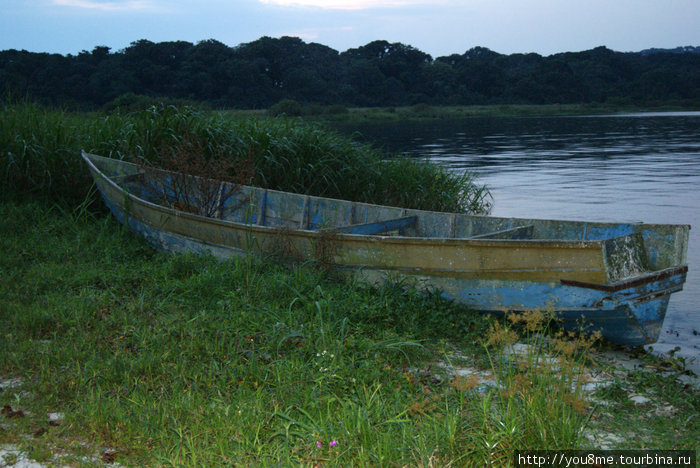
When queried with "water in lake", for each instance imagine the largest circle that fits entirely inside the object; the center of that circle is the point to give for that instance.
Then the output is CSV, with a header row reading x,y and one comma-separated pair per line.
x,y
634,167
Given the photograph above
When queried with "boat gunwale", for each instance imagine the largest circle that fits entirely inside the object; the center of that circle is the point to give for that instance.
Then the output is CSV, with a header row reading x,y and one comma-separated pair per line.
x,y
631,282
407,240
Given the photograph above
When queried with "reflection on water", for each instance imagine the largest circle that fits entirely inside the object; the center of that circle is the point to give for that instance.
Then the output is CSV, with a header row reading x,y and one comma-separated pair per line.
x,y
636,167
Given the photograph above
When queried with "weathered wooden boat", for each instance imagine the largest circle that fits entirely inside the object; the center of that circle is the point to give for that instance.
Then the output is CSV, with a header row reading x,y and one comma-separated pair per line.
x,y
612,277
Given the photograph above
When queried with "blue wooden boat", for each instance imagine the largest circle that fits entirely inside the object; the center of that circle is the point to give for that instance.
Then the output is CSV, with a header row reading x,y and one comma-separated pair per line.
x,y
612,277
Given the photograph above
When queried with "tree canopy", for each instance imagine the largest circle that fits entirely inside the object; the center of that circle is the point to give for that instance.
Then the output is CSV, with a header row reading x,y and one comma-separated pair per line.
x,y
261,73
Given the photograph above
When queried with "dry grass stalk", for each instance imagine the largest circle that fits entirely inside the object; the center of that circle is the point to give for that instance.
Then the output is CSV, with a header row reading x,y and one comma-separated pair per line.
x,y
283,245
325,248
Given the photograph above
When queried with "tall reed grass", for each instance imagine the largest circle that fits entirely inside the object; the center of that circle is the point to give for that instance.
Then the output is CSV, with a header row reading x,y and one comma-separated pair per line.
x,y
42,148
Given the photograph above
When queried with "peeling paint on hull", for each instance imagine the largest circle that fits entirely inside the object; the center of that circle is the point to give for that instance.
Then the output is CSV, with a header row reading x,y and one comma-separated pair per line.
x,y
612,277
632,316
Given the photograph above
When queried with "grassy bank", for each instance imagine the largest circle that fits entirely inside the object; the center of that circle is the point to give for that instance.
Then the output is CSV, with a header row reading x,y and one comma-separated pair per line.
x,y
42,155
427,112
321,114
187,361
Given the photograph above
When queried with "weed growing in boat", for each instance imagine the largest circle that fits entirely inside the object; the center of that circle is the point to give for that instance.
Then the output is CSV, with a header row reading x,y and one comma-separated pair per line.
x,y
188,178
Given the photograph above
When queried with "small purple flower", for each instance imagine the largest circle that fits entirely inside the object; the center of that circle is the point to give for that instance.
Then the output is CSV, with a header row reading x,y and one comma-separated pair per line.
x,y
332,443
319,444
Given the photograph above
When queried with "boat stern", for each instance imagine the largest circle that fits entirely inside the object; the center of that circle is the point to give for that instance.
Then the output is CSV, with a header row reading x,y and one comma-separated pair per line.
x,y
629,312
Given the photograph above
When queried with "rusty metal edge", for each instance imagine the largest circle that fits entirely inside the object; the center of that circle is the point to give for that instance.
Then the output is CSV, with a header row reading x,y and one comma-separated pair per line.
x,y
631,283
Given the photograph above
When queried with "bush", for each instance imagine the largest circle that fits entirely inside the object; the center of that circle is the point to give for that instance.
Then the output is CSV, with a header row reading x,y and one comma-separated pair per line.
x,y
131,102
288,107
336,109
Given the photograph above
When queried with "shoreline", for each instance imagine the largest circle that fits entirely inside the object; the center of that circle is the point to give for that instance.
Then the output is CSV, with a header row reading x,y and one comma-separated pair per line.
x,y
427,112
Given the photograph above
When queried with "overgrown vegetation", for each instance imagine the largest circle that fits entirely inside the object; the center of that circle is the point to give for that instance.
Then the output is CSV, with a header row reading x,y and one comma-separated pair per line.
x,y
42,155
188,361
216,176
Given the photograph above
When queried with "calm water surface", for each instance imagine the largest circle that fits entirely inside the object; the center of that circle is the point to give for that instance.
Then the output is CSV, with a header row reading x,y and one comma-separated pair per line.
x,y
635,167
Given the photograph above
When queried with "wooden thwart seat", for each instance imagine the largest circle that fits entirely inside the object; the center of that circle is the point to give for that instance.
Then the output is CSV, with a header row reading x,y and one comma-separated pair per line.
x,y
516,233
376,227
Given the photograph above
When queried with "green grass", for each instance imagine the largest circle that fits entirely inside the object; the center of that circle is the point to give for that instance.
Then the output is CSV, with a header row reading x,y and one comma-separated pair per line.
x,y
186,360
42,155
189,361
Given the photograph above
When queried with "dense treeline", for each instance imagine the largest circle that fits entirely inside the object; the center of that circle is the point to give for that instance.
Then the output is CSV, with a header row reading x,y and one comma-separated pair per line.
x,y
261,73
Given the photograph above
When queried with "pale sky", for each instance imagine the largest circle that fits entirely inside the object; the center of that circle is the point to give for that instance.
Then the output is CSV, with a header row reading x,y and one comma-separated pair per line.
x,y
437,27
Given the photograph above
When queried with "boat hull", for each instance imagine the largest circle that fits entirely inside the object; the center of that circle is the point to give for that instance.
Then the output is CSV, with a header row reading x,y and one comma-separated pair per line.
x,y
570,278
631,315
